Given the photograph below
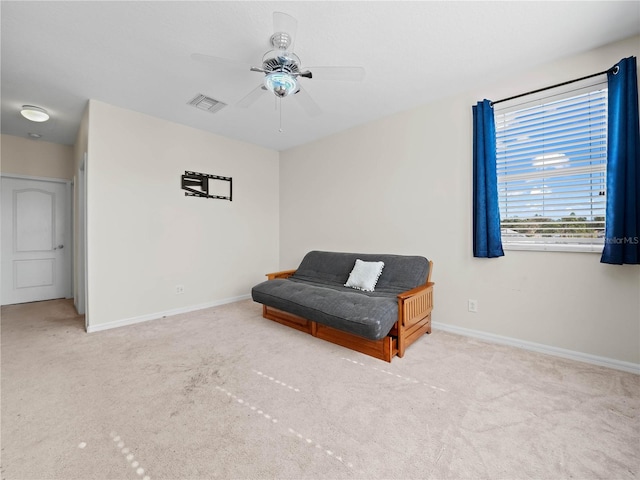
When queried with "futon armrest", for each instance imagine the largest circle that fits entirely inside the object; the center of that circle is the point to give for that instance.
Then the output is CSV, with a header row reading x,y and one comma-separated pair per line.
x,y
414,306
282,274
415,291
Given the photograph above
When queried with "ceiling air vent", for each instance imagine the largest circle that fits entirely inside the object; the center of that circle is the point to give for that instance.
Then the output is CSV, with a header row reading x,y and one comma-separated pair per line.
x,y
207,104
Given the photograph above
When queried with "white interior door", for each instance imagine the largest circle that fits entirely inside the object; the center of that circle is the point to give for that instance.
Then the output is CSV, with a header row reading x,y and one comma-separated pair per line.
x,y
36,253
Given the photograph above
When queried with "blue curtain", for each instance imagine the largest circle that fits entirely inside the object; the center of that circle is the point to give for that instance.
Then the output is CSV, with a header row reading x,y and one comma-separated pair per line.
x,y
487,242
622,223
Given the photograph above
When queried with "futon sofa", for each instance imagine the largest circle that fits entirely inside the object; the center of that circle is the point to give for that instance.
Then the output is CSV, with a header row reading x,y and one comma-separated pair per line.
x,y
374,304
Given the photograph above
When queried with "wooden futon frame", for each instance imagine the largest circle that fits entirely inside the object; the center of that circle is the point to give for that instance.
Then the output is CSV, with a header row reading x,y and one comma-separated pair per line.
x,y
414,320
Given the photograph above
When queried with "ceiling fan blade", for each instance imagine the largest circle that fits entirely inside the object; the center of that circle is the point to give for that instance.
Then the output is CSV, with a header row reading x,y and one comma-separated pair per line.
x,y
211,60
307,103
283,23
351,74
252,96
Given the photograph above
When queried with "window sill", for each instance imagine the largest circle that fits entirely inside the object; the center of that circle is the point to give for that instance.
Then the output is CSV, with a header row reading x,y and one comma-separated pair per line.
x,y
554,248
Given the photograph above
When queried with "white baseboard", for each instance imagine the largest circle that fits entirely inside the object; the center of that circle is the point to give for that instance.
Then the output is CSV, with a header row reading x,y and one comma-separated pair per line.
x,y
540,348
167,313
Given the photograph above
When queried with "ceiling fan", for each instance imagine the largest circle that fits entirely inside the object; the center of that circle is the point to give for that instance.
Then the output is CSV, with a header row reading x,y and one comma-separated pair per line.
x,y
283,70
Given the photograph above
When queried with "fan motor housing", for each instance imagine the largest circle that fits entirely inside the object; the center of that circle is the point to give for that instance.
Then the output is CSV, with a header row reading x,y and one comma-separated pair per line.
x,y
281,61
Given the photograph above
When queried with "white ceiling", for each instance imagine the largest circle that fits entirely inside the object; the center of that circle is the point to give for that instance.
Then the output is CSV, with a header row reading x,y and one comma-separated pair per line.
x,y
137,55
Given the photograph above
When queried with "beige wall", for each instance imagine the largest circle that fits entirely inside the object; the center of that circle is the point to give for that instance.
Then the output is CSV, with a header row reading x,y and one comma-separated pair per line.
x,y
146,237
403,185
36,158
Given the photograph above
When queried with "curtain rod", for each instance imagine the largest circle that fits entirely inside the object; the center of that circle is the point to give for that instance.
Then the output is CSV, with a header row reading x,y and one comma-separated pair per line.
x,y
614,69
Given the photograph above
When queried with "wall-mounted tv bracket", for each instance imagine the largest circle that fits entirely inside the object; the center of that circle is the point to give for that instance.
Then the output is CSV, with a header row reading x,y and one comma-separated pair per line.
x,y
197,185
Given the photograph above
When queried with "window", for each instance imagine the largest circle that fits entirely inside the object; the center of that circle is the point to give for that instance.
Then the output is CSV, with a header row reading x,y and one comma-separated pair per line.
x,y
551,166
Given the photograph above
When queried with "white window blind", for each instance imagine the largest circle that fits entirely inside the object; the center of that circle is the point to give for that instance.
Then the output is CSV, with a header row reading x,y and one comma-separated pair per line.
x,y
551,167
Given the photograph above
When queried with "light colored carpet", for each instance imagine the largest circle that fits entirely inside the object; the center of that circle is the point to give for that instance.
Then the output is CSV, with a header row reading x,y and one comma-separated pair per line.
x,y
223,393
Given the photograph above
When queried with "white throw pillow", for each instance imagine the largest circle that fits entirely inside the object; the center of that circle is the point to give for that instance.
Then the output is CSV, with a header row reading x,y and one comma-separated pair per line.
x,y
364,275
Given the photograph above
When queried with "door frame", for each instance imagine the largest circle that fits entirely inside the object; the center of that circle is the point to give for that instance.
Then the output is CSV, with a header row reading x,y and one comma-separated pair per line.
x,y
69,227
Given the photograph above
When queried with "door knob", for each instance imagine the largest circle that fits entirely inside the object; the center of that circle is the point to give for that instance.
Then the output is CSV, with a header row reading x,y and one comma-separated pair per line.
x,y
59,247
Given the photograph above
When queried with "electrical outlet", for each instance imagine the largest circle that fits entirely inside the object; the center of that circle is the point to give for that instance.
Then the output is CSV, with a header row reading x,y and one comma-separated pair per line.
x,y
473,306
179,289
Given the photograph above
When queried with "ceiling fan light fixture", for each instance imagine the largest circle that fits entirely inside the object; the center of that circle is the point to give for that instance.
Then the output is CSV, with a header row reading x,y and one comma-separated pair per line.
x,y
280,83
33,113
